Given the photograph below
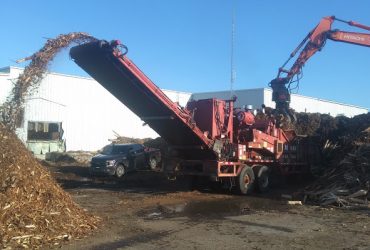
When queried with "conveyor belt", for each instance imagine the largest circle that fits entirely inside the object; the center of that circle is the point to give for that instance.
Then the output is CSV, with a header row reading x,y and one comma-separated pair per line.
x,y
127,83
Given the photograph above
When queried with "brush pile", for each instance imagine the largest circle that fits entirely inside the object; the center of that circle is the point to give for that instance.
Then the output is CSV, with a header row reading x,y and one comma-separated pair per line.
x,y
157,143
123,139
346,179
27,82
34,210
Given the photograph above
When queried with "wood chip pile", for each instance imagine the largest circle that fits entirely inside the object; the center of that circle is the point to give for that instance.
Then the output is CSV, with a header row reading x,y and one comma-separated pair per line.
x,y
34,210
27,82
346,181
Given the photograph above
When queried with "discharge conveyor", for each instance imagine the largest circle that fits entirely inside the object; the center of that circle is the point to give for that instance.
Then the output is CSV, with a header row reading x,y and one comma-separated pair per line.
x,y
108,64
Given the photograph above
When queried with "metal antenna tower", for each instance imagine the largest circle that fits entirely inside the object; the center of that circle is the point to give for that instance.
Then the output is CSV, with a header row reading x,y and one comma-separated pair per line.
x,y
233,72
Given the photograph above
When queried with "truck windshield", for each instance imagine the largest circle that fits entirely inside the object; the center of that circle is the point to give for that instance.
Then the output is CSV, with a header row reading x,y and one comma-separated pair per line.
x,y
116,149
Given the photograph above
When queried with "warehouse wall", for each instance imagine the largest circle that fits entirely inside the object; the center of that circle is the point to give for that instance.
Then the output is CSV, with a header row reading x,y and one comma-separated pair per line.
x,y
257,97
252,97
88,112
5,83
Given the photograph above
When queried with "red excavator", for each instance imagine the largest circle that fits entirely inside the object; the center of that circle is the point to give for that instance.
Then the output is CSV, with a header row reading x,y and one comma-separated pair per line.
x,y
313,42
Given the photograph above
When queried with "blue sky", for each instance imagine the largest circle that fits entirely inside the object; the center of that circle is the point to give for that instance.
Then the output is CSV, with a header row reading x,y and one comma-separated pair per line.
x,y
185,44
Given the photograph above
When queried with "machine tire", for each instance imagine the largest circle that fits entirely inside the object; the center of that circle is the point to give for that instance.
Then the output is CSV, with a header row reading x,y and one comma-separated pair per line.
x,y
153,163
245,180
263,180
120,171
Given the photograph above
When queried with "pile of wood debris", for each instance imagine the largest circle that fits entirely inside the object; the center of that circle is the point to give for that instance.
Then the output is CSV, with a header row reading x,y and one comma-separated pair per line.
x,y
70,157
27,82
346,179
34,210
119,139
158,143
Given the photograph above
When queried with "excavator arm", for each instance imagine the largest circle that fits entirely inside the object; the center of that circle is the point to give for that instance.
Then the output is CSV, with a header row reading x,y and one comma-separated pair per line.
x,y
313,42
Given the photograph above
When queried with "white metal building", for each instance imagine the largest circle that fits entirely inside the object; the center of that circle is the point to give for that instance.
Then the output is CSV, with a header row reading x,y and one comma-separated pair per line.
x,y
84,114
300,103
87,112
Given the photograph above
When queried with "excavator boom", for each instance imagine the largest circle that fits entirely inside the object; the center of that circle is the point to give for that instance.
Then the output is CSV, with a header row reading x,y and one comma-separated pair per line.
x,y
351,37
312,43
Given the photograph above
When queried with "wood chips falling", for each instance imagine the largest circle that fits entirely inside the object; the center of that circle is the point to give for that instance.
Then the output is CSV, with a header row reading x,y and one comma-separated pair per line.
x,y
34,209
28,81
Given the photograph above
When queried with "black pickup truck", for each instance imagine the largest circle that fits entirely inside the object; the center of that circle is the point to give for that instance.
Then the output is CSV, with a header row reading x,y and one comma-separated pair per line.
x,y
119,159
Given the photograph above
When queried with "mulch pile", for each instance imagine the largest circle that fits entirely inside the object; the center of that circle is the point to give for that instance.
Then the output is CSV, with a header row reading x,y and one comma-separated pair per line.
x,y
27,82
34,210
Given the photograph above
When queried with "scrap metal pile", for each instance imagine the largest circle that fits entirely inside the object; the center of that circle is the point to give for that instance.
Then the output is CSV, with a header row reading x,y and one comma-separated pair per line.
x,y
345,180
34,210
27,82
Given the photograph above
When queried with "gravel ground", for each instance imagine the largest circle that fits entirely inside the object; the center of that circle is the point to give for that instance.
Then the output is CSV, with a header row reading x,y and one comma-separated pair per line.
x,y
145,211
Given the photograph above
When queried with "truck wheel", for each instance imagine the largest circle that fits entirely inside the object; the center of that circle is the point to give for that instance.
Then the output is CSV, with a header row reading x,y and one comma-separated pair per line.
x,y
245,181
120,171
263,182
153,163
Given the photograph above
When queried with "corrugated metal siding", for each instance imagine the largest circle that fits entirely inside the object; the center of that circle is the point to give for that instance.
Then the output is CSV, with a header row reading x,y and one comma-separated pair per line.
x,y
5,87
88,112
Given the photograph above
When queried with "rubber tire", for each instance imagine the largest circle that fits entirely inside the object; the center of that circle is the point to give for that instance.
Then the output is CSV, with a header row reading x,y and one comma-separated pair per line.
x,y
263,180
120,171
153,164
246,175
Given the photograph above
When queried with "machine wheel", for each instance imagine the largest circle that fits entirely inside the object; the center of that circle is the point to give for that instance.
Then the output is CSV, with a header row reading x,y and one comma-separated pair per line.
x,y
263,181
153,163
245,181
120,171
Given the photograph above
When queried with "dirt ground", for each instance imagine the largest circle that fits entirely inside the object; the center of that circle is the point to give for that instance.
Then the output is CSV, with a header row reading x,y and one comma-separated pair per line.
x,y
146,211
